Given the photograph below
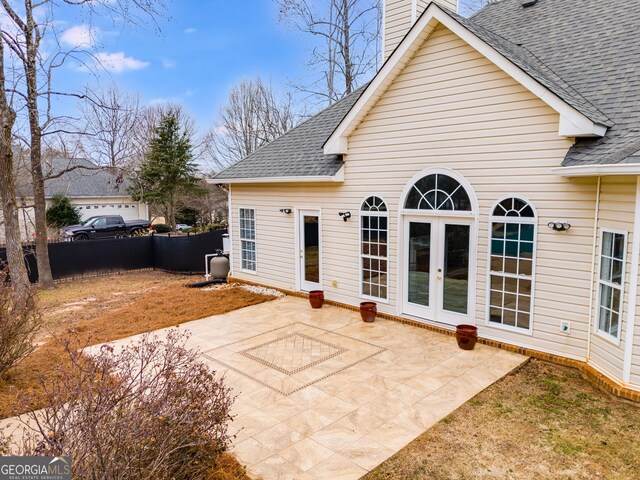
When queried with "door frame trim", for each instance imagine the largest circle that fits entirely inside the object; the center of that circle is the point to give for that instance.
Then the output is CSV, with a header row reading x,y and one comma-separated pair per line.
x,y
473,239
299,212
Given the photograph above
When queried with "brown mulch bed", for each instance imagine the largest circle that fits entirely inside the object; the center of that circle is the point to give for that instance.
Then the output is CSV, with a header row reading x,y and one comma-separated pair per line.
x,y
543,421
158,307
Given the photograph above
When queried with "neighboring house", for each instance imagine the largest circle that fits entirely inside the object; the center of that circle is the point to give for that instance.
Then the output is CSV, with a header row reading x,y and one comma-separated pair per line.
x,y
94,191
489,175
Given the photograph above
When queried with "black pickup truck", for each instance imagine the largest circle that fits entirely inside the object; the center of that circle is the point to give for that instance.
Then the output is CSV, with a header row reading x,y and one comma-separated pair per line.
x,y
105,226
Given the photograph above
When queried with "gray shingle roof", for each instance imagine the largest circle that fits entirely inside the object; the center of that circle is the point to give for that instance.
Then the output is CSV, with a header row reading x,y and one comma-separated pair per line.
x,y
299,152
594,46
84,181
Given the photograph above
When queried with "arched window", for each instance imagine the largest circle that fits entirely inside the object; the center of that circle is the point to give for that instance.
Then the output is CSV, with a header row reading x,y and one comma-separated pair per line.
x,y
374,228
511,267
438,192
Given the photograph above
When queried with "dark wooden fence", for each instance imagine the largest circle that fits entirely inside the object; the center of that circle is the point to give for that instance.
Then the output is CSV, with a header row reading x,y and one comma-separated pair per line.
x,y
172,253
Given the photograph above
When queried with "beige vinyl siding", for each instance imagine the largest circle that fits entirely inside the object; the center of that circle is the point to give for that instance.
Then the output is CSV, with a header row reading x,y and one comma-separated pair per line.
x,y
450,4
452,108
397,20
617,206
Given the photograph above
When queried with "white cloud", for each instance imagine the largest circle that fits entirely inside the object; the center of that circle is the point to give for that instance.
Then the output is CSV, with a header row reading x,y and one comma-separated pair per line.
x,y
118,62
79,36
168,63
190,30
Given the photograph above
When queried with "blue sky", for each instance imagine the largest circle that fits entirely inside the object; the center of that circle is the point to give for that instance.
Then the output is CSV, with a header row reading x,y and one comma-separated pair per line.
x,y
201,51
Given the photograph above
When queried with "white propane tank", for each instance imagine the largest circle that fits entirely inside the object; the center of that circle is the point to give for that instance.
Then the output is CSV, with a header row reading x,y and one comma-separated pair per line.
x,y
219,267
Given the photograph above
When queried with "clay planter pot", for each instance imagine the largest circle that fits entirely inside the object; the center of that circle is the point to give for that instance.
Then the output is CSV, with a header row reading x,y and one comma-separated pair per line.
x,y
466,336
368,311
316,298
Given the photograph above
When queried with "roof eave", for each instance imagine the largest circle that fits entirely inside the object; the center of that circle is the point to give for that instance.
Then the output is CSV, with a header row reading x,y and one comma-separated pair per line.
x,y
572,122
598,170
338,177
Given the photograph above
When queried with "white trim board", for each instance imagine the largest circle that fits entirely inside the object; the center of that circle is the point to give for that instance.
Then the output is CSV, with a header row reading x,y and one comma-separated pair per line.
x,y
337,178
572,122
598,170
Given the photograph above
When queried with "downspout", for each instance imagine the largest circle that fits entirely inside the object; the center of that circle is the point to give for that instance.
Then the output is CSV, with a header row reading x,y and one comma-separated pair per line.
x,y
594,253
229,231
633,291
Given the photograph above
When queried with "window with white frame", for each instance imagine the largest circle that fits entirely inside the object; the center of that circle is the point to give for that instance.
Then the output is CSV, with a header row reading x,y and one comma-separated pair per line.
x,y
373,251
513,234
611,281
248,239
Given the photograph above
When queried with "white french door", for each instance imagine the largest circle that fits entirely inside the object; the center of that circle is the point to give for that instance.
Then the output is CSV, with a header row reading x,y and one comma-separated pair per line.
x,y
437,268
309,250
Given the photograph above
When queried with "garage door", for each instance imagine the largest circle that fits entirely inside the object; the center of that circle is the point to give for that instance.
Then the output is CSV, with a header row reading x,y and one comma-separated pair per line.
x,y
128,211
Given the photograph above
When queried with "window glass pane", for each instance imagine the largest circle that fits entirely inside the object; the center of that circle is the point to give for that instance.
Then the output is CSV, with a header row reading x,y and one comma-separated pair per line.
x,y
497,247
526,267
497,264
616,271
509,318
456,268
524,303
496,298
613,328
526,232
607,244
618,246
419,262
523,320
498,230
495,314
497,282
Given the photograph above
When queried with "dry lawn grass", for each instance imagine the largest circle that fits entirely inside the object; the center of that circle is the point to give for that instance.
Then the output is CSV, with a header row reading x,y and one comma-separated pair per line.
x,y
543,421
154,304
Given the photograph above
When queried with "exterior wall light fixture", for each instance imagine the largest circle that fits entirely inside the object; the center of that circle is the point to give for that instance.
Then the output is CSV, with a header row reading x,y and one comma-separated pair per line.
x,y
286,211
345,215
559,226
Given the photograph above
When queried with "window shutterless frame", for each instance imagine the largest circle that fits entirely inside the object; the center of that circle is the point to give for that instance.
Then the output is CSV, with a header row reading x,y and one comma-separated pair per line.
x,y
247,235
500,214
608,282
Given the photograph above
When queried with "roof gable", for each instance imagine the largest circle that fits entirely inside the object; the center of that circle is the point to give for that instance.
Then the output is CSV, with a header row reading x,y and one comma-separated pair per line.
x,y
577,116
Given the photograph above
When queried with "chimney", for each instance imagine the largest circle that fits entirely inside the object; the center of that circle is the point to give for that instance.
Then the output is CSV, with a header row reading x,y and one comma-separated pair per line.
x,y
399,17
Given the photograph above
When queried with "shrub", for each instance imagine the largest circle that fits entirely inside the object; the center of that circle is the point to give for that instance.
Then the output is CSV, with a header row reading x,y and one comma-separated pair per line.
x,y
161,228
148,410
19,324
62,212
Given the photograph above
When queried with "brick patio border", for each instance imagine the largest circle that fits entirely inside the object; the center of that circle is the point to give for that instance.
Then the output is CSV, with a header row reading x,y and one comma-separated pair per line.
x,y
588,371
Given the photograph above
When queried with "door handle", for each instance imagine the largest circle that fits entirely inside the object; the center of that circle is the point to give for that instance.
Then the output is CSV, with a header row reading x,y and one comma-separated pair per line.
x,y
439,277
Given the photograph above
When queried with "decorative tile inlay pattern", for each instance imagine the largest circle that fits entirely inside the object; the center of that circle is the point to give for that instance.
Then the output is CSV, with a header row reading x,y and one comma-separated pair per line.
x,y
293,353
290,358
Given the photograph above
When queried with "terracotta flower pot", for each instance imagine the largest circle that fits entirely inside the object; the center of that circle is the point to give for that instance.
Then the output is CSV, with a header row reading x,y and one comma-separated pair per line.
x,y
316,298
368,311
466,336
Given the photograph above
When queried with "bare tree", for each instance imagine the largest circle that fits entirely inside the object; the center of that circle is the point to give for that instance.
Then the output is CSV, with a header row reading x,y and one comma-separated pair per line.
x,y
348,33
111,119
15,255
29,25
253,116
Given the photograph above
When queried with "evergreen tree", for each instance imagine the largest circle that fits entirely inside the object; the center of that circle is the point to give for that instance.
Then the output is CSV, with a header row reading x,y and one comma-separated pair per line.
x,y
168,170
62,212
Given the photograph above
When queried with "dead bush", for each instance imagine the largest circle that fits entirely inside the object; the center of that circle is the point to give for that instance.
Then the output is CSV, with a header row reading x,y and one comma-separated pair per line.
x,y
19,324
148,410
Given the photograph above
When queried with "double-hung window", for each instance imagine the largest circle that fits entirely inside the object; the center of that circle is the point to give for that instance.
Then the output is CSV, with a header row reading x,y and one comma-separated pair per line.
x,y
374,228
611,282
248,239
511,265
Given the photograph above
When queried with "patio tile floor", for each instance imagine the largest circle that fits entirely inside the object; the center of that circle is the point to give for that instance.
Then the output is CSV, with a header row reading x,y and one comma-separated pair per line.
x,y
323,395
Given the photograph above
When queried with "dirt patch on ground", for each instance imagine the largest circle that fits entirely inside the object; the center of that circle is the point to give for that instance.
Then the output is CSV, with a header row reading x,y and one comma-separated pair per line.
x,y
543,421
152,307
76,301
